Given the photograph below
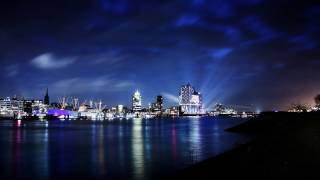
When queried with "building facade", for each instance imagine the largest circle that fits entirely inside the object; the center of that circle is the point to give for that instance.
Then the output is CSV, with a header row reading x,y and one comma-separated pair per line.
x,y
11,104
136,102
190,101
159,103
5,104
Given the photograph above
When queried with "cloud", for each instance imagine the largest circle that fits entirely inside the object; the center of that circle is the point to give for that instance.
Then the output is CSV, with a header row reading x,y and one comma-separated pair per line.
x,y
302,42
186,20
118,7
49,61
12,70
122,85
111,58
223,10
258,26
79,85
220,53
171,98
198,2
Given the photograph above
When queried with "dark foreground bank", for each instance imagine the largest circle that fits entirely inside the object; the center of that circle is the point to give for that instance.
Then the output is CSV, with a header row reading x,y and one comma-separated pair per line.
x,y
286,145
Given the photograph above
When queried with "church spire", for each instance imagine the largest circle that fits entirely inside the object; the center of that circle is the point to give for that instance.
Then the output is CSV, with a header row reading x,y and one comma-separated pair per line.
x,y
46,98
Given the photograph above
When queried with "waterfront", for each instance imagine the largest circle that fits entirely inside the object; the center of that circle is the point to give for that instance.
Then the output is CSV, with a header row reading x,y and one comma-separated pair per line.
x,y
125,149
285,146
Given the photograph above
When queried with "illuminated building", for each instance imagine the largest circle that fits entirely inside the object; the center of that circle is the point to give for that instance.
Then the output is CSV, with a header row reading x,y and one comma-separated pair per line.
x,y
17,104
120,108
157,107
46,100
220,109
5,107
11,104
39,108
190,101
136,102
173,111
5,104
37,103
10,107
84,108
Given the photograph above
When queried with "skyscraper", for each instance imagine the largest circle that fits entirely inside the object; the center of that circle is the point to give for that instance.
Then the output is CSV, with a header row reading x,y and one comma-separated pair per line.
x,y
159,103
190,101
136,101
46,100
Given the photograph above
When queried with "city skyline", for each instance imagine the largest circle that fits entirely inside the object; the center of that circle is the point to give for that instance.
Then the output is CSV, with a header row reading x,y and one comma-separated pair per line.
x,y
159,89
135,101
233,52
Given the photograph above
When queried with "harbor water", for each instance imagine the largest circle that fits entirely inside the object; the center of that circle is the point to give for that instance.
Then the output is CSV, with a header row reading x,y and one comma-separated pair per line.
x,y
111,149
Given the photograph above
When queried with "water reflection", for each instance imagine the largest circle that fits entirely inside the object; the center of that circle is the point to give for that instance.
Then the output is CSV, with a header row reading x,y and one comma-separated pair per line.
x,y
93,144
121,146
174,141
101,151
195,139
42,151
46,152
97,150
138,148
117,149
17,154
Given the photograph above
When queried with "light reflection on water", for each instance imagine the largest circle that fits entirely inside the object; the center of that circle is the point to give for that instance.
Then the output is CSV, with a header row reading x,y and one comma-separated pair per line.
x,y
195,138
119,149
138,149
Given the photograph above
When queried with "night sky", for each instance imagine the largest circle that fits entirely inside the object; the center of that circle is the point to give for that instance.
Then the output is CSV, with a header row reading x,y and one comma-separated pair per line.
x,y
258,53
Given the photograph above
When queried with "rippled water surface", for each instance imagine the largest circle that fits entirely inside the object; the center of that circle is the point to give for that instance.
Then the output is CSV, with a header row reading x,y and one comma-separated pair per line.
x,y
121,149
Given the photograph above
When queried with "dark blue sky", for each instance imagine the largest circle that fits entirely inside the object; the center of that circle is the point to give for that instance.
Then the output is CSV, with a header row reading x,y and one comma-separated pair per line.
x,y
244,52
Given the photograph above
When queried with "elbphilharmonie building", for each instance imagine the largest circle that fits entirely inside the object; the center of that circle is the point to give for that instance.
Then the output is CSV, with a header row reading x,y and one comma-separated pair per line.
x,y
190,101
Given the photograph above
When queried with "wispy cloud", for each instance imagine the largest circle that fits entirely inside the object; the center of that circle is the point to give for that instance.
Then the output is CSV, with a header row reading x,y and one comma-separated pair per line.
x,y
12,70
186,20
258,26
111,58
84,85
220,53
233,33
118,7
171,97
50,61
302,42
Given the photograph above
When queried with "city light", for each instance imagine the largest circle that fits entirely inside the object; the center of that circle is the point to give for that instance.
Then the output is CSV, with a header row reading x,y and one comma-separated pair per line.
x,y
190,104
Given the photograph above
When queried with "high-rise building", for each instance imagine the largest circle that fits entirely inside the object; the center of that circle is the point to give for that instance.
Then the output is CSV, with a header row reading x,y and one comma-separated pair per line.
x,y
5,104
136,102
190,101
46,100
11,104
27,106
17,104
159,103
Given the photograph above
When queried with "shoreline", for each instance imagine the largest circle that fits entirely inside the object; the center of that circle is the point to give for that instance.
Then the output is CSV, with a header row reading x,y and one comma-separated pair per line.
x,y
284,145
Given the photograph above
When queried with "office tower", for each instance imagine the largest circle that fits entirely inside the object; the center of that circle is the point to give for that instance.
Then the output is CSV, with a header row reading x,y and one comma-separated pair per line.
x,y
136,101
